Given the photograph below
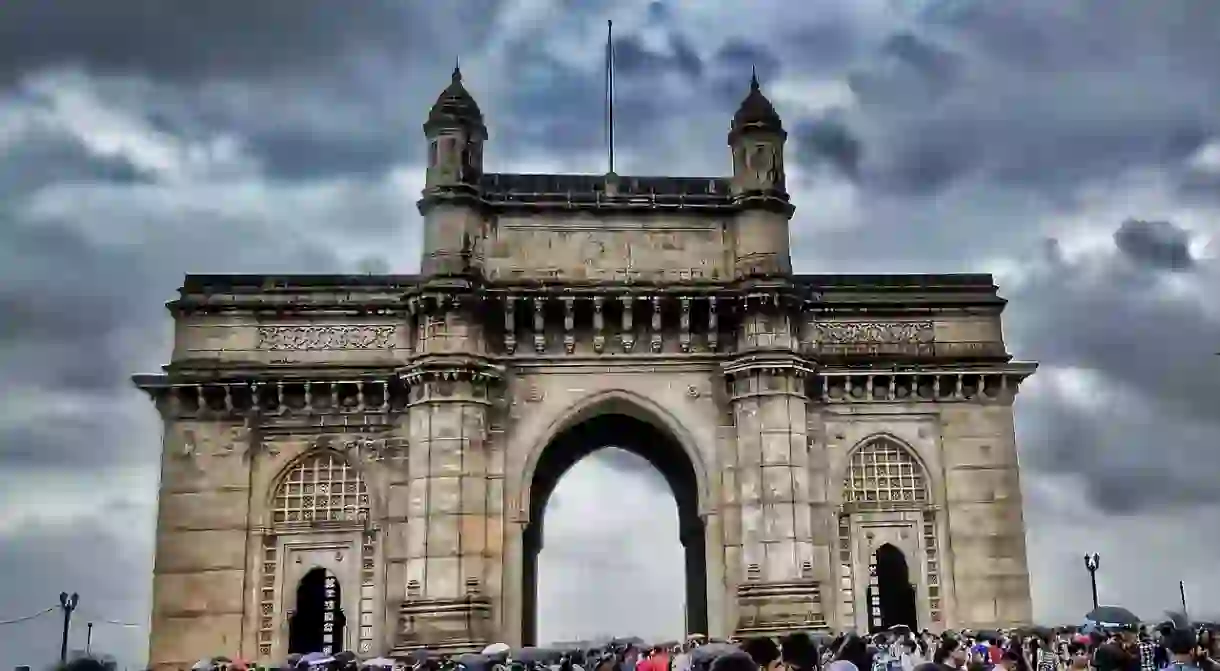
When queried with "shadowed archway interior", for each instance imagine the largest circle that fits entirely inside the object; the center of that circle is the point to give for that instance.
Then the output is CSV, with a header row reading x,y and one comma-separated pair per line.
x,y
318,623
660,449
896,593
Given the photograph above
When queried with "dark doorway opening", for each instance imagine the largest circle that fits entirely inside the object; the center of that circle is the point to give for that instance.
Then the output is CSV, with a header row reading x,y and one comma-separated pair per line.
x,y
627,432
896,594
318,623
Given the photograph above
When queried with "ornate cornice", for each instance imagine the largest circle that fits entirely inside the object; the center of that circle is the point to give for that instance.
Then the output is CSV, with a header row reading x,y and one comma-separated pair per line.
x,y
768,363
451,367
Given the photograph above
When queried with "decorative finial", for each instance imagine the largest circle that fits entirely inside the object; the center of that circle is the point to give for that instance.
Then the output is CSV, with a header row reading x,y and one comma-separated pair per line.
x,y
754,78
457,71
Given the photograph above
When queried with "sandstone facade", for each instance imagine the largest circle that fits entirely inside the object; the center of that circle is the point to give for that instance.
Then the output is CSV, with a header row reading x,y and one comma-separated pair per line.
x,y
403,432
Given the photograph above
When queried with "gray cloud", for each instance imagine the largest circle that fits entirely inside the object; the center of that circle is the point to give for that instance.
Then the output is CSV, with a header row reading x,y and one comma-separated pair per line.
x,y
254,139
228,39
1157,244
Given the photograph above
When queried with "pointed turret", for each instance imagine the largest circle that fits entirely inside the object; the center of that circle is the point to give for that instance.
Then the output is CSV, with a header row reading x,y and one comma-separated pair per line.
x,y
450,202
455,108
757,139
755,113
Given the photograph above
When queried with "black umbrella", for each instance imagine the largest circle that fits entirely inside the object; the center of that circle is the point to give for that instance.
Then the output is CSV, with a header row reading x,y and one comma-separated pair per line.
x,y
1112,616
900,629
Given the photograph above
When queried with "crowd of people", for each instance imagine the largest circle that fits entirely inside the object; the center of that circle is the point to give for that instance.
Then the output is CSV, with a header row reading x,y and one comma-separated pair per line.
x,y
1170,647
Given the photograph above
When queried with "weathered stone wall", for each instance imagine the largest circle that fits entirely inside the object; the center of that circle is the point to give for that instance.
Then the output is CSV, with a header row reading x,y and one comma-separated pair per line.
x,y
201,554
588,247
986,527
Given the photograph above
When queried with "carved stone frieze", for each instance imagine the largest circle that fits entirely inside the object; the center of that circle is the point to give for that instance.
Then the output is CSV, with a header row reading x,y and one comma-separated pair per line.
x,y
874,332
337,337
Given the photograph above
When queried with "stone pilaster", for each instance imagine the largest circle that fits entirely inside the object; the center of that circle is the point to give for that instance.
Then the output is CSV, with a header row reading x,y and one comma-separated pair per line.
x,y
780,591
449,522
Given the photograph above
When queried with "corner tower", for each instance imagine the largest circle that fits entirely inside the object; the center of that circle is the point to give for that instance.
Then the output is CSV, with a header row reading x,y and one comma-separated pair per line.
x,y
760,233
449,204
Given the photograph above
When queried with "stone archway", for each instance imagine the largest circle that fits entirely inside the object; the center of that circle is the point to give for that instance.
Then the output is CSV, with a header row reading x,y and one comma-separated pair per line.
x,y
888,538
659,448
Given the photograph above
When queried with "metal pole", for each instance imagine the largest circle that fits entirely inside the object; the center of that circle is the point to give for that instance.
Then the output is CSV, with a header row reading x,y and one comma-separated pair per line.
x,y
1092,562
88,638
67,604
1182,593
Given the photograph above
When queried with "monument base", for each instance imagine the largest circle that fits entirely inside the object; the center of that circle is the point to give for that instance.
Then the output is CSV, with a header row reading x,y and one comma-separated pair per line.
x,y
443,625
778,608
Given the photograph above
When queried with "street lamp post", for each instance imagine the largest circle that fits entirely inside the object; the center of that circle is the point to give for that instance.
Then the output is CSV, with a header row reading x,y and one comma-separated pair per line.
x,y
67,603
1091,563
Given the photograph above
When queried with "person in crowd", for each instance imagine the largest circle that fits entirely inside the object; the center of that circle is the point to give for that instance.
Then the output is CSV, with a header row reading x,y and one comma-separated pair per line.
x,y
735,661
855,650
1078,656
910,656
764,652
1010,660
949,655
1183,651
799,652
883,657
1041,656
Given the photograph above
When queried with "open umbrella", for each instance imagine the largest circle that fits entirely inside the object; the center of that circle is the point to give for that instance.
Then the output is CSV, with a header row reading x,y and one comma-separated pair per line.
x,y
900,629
1112,616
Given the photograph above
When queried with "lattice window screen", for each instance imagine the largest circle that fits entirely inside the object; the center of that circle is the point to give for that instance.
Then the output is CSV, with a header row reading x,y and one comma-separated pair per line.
x,y
884,473
323,487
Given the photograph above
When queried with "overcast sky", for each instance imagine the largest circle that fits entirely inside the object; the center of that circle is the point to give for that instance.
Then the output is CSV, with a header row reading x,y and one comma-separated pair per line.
x,y
1072,148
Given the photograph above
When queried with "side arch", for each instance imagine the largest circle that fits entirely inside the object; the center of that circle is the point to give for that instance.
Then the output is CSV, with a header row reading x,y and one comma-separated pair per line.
x,y
608,403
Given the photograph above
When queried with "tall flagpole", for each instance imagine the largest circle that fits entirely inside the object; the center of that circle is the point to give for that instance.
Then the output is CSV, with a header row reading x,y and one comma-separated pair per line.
x,y
610,92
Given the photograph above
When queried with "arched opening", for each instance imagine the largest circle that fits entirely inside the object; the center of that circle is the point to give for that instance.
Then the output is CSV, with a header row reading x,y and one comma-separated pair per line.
x,y
896,594
664,453
886,504
319,622
319,506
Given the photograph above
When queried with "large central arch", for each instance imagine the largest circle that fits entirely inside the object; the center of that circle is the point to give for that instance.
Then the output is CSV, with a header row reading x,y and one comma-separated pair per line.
x,y
616,424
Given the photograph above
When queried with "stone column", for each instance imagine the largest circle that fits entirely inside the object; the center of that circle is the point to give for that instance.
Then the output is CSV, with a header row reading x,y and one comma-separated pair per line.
x,y
779,592
448,523
769,405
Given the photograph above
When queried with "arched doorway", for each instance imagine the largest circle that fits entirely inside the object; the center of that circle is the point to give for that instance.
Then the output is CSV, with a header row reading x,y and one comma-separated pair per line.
x,y
895,593
887,501
660,449
319,622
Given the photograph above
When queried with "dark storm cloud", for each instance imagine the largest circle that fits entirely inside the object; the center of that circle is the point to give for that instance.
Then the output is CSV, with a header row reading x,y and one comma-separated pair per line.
x,y
224,38
828,140
977,96
1141,443
81,315
633,58
1156,244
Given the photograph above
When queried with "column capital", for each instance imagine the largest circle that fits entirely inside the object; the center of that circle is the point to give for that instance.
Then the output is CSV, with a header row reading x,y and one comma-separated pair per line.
x,y
781,362
441,367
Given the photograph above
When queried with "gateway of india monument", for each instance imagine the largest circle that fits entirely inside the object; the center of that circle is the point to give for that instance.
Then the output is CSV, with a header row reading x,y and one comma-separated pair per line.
x,y
363,462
